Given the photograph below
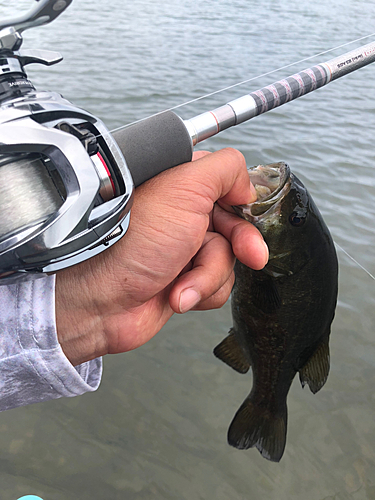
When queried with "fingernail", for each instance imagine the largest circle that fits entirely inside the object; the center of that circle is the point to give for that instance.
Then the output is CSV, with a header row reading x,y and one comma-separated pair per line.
x,y
188,299
267,250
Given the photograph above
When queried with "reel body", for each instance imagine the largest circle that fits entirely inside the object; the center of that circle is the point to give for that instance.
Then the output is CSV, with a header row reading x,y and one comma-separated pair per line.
x,y
65,188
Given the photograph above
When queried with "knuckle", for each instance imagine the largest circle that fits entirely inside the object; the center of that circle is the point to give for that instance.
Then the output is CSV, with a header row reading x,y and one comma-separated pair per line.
x,y
220,297
235,155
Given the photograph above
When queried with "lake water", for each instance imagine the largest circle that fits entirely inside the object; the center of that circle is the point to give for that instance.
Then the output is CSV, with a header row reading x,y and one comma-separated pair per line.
x,y
156,428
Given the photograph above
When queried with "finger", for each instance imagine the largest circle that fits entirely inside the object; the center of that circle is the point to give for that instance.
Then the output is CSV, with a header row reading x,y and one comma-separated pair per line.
x,y
219,298
220,175
212,267
247,243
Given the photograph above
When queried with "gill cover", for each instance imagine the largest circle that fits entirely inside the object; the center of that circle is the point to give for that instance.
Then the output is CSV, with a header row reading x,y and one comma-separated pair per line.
x,y
65,188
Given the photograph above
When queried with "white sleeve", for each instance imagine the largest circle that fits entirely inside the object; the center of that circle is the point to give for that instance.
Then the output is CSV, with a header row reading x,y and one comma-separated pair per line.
x,y
33,367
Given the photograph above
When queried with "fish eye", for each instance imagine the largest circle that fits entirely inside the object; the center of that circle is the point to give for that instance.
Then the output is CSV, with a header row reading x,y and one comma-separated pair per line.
x,y
297,220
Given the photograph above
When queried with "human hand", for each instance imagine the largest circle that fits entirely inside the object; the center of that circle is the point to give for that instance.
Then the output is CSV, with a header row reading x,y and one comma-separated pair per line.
x,y
177,255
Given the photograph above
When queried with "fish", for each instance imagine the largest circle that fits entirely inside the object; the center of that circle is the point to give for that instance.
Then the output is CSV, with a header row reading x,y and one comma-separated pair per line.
x,y
282,314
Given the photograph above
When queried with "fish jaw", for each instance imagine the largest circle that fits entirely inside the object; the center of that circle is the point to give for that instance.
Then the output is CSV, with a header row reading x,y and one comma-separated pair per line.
x,y
272,184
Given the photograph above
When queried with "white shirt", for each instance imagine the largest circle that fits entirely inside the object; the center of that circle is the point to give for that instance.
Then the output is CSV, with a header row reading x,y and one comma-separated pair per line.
x,y
33,367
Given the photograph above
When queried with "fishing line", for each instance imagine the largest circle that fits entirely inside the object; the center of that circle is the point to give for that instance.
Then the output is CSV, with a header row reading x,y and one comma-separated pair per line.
x,y
245,81
261,76
355,261
240,83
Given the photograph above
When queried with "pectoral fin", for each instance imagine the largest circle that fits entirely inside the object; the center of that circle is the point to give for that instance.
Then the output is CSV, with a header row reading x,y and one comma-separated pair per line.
x,y
315,371
232,354
266,295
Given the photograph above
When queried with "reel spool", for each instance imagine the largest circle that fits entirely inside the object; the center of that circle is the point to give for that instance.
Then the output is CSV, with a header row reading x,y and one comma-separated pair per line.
x,y
28,195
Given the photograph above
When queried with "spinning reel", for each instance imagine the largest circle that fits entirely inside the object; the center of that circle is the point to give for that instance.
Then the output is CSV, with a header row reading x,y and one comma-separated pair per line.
x,y
65,188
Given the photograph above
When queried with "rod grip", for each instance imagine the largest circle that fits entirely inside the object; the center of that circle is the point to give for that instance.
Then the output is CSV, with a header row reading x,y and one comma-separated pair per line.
x,y
154,145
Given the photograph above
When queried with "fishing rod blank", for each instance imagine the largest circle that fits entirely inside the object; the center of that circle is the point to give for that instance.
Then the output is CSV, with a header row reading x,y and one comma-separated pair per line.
x,y
256,103
165,140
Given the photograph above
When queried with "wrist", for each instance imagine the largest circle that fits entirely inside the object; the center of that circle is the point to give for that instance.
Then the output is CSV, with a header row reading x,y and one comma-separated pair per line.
x,y
79,328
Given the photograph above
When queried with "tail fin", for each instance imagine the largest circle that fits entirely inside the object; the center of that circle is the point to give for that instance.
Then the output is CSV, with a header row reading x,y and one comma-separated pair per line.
x,y
257,426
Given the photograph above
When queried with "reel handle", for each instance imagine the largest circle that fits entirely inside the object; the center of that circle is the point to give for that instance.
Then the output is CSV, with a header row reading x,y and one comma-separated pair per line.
x,y
154,145
43,12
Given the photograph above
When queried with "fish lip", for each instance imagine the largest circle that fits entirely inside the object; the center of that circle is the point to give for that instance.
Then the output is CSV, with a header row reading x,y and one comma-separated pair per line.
x,y
253,211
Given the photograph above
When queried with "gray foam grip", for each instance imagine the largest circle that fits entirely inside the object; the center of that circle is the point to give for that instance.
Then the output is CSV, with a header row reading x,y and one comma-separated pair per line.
x,y
154,145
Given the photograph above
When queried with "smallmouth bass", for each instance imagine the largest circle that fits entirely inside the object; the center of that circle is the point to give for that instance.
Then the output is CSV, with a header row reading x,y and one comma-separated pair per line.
x,y
282,314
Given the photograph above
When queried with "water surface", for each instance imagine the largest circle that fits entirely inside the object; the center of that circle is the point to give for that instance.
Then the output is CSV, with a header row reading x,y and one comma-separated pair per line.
x,y
157,426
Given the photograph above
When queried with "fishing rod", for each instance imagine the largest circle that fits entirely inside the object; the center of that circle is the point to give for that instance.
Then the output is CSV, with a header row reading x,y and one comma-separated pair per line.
x,y
67,183
163,135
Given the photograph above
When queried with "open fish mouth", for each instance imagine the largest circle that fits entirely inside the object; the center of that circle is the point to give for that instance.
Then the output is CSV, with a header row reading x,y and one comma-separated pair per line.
x,y
271,184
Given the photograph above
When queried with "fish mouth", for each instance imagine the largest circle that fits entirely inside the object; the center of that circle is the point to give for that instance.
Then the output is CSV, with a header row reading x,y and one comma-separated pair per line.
x,y
271,185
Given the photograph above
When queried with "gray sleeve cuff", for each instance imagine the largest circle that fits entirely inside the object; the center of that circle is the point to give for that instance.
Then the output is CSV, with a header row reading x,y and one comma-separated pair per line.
x,y
33,367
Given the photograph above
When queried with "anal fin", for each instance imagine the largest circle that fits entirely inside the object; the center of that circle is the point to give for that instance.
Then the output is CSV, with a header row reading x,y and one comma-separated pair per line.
x,y
315,371
232,354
